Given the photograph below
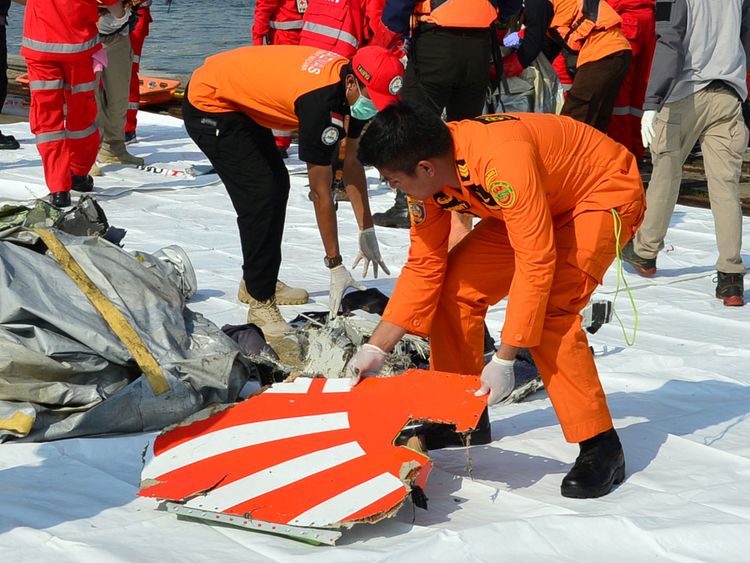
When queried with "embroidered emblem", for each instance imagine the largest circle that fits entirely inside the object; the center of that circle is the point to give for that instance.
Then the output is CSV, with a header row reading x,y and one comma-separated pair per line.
x,y
330,136
366,75
495,118
503,193
416,210
395,85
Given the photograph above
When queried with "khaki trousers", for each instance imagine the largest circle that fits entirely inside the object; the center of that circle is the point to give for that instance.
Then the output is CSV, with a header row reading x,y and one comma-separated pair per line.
x,y
112,97
713,116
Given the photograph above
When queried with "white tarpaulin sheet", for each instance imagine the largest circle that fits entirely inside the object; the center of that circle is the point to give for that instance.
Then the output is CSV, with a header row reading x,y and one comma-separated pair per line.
x,y
680,399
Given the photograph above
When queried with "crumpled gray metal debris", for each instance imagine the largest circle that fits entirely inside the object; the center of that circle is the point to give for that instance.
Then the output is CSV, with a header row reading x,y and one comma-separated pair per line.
x,y
59,358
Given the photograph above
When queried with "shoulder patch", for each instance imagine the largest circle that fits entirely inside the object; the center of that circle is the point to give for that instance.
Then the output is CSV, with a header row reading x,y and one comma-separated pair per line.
x,y
330,135
337,119
416,210
495,118
503,193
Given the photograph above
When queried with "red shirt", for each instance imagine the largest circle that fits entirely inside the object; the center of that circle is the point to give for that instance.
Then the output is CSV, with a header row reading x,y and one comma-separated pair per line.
x,y
54,30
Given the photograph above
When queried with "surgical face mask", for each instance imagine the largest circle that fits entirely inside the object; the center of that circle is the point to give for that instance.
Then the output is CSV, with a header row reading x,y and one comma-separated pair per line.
x,y
363,109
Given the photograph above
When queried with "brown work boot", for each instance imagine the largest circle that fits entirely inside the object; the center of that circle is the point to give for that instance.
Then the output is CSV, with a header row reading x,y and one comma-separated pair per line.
x,y
266,316
285,295
95,170
116,153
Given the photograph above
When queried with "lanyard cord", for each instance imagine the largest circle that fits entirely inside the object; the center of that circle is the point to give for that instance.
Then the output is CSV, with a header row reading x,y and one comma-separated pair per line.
x,y
620,275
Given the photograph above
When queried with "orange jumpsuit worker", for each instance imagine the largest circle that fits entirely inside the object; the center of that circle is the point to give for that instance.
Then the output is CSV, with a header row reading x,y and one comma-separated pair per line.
x,y
58,44
597,53
230,106
279,22
544,188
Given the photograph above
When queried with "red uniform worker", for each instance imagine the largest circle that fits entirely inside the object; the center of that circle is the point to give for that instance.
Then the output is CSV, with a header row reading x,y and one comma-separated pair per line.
x,y
278,22
639,27
341,26
58,43
545,188
137,38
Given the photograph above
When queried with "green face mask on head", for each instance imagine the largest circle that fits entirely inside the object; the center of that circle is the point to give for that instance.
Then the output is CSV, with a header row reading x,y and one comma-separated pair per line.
x,y
363,109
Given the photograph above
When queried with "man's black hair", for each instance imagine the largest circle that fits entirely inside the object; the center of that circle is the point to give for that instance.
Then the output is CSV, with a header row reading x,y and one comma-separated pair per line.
x,y
401,135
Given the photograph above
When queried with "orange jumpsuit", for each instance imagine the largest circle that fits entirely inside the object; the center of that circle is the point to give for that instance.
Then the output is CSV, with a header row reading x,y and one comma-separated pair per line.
x,y
544,187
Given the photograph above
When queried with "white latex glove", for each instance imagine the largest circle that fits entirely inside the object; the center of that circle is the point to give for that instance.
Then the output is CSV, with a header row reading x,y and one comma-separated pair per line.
x,y
368,360
647,127
370,252
341,280
497,379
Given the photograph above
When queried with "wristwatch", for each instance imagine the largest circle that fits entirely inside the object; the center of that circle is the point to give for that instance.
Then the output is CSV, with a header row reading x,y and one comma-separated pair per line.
x,y
333,262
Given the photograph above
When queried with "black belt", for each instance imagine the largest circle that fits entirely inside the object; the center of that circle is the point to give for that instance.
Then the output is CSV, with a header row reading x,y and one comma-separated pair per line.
x,y
424,27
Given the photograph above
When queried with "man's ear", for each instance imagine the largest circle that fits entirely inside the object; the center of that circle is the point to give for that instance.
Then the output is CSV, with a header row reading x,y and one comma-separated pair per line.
x,y
427,167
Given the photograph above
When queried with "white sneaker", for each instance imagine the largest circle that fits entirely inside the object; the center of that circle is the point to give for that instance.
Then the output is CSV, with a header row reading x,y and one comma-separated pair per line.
x,y
266,315
285,295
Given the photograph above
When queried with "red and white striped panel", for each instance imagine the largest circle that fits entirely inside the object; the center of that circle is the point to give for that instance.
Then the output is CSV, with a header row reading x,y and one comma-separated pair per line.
x,y
312,452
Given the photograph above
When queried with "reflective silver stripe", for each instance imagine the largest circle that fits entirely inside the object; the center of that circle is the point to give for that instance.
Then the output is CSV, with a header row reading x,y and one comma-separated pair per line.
x,y
133,105
90,130
50,137
36,85
627,110
85,87
136,58
329,31
295,24
62,48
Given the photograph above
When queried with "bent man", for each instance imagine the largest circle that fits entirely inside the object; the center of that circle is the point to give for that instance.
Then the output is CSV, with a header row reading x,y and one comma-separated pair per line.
x,y
552,195
231,105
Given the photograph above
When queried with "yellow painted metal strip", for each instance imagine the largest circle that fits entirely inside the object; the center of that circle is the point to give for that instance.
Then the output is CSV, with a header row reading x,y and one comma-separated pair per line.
x,y
20,423
111,314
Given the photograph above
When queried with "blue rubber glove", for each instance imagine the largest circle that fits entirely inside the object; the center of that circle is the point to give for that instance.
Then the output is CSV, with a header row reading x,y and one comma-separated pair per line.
x,y
512,40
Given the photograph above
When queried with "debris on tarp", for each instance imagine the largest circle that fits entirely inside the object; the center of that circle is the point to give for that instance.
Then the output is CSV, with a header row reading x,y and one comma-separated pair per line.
x,y
95,340
307,457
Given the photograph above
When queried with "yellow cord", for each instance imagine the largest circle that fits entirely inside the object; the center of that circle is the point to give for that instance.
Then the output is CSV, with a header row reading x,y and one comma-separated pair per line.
x,y
620,275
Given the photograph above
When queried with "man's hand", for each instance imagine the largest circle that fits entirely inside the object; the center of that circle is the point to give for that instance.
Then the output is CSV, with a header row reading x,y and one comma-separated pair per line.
x,y
369,251
341,279
368,360
647,127
497,379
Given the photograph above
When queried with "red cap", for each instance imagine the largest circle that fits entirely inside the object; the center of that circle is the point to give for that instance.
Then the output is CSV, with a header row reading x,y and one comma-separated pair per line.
x,y
381,71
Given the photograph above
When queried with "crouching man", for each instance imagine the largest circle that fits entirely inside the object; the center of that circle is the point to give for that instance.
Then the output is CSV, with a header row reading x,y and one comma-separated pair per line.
x,y
556,199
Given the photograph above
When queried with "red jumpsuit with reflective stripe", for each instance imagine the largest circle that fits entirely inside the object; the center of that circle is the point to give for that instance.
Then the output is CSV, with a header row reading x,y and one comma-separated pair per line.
x,y
58,42
137,37
277,22
341,26
639,26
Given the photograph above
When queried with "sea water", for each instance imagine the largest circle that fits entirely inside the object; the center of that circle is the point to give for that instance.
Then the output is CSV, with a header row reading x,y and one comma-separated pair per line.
x,y
181,36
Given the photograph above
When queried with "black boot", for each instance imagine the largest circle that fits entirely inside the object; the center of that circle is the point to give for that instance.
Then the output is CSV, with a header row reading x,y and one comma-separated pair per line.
x,y
598,468
82,183
60,199
8,142
397,216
